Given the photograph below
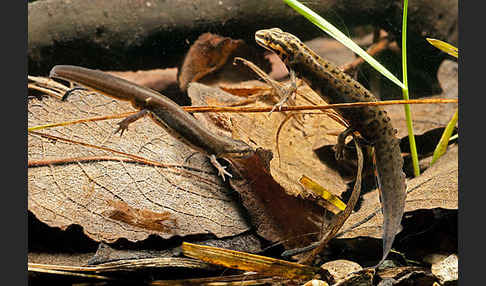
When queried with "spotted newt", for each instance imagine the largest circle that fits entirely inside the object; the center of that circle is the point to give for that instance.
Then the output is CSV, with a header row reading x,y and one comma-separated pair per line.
x,y
166,113
335,86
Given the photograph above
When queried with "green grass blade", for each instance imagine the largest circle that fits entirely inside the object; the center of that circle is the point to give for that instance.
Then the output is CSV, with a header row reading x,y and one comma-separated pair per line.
x,y
408,113
342,38
441,148
444,140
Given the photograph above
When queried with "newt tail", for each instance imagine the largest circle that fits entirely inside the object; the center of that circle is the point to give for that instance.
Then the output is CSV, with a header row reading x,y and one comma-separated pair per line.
x,y
372,122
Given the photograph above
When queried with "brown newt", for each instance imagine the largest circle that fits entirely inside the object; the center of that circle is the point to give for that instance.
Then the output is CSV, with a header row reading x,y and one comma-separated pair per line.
x,y
372,122
166,113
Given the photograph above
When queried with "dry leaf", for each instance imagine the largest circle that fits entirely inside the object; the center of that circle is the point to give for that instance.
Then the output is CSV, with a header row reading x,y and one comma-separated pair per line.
x,y
80,192
296,142
250,262
437,187
340,268
128,265
280,208
447,270
429,116
242,279
363,278
210,59
407,275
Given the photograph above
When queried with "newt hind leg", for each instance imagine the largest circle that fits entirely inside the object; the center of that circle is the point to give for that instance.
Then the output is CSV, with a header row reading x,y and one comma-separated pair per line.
x,y
221,169
123,125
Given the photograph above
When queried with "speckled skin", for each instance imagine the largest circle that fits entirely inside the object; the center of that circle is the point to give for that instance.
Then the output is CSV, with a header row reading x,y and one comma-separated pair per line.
x,y
166,113
335,86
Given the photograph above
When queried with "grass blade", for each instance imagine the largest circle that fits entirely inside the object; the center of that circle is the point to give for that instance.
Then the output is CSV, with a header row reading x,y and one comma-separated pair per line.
x,y
441,147
342,38
408,113
445,47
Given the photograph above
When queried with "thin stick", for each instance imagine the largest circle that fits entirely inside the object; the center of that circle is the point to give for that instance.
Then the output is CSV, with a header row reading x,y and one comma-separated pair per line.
x,y
202,109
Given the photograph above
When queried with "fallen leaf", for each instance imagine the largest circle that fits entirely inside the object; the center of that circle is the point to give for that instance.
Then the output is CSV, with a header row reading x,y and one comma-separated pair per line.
x,y
340,268
447,270
250,262
281,209
437,187
363,278
405,276
210,59
186,188
335,205
296,142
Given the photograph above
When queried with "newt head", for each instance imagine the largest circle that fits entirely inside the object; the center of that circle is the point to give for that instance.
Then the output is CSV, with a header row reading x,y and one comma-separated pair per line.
x,y
284,44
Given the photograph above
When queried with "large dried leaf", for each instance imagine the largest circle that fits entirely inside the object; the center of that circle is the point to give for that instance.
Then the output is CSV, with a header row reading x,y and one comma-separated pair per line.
x,y
280,208
437,187
112,199
296,141
275,214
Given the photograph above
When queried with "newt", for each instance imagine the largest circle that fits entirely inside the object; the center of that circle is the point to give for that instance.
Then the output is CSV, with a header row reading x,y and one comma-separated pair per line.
x,y
163,111
335,86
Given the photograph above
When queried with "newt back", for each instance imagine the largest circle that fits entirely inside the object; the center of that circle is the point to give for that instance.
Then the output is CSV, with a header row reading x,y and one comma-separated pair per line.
x,y
372,122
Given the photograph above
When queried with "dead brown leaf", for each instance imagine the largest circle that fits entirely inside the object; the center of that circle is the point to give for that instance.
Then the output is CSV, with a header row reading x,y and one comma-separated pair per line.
x,y
340,268
296,142
437,187
429,116
281,209
78,192
406,275
250,262
447,270
210,60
